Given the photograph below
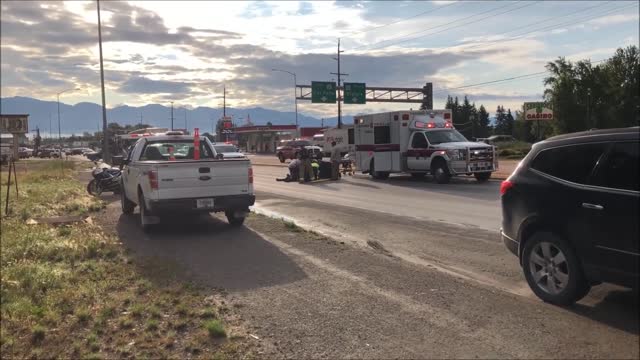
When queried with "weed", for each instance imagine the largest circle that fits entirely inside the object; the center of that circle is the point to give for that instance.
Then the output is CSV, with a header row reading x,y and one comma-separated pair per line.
x,y
182,310
152,325
137,310
154,312
215,328
208,314
125,323
64,231
25,214
38,333
83,315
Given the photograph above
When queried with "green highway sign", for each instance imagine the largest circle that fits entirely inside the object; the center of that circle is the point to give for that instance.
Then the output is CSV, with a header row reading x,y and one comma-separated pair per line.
x,y
323,92
355,93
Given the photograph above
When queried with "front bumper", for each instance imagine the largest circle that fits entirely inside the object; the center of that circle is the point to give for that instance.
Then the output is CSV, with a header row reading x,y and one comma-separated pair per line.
x,y
463,167
511,244
221,203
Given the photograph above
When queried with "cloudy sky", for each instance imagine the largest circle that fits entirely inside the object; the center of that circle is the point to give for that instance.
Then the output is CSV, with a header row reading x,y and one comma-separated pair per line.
x,y
157,52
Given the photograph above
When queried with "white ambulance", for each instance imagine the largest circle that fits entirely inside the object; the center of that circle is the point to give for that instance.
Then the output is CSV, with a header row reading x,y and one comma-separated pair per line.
x,y
343,138
419,142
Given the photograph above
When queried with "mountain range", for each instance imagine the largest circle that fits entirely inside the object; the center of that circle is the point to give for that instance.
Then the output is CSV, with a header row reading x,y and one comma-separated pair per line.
x,y
86,116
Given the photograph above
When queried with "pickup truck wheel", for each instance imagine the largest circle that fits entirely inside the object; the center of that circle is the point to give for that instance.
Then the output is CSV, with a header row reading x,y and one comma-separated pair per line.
x,y
127,205
233,219
281,157
482,177
143,212
440,172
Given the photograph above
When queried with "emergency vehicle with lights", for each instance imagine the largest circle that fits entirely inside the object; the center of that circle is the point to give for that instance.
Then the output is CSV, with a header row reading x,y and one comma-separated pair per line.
x,y
171,173
419,143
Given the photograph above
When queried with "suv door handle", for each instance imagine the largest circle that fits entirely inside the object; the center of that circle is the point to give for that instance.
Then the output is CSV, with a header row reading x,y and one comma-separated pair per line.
x,y
592,206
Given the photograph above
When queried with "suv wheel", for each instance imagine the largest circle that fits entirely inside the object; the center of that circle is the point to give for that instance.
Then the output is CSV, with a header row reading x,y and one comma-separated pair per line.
x,y
552,269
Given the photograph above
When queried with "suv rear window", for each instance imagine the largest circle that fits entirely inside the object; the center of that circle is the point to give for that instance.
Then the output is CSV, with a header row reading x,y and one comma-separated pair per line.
x,y
620,169
573,163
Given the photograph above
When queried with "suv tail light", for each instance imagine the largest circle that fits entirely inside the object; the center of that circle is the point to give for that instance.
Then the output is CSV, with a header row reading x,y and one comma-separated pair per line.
x,y
153,179
250,175
505,186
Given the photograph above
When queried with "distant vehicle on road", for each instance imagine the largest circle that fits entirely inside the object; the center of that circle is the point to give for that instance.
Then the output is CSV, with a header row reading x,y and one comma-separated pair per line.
x,y
419,142
76,151
24,152
497,139
570,213
290,149
161,176
93,155
229,151
6,147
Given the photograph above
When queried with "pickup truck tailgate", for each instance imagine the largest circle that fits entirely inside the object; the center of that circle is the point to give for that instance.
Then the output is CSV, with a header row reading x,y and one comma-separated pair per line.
x,y
203,178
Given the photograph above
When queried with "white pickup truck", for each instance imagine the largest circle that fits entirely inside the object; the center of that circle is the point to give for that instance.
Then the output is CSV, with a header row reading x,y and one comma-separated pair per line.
x,y
162,176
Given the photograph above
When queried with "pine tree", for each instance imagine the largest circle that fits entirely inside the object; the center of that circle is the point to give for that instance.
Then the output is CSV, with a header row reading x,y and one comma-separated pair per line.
x,y
483,122
509,122
501,127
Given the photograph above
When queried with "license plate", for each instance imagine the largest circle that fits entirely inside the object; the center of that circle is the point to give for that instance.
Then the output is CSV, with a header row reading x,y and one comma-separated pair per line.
x,y
204,203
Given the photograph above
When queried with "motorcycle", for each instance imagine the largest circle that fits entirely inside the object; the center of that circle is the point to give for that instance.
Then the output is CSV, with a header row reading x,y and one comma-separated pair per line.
x,y
104,179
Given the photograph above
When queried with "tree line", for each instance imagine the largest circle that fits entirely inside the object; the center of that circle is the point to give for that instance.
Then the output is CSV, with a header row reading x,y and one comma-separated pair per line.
x,y
583,96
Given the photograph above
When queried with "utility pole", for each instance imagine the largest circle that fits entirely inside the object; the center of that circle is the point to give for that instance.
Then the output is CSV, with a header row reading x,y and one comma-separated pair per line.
x,y
339,93
140,118
105,137
171,115
295,95
185,119
322,123
224,101
50,129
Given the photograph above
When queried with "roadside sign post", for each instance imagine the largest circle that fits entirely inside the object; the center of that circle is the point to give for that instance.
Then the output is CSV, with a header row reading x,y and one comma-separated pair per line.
x,y
355,93
538,111
323,92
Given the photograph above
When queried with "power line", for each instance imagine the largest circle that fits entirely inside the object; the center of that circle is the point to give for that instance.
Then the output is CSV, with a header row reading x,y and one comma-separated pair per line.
x,y
571,22
440,26
528,26
532,75
430,11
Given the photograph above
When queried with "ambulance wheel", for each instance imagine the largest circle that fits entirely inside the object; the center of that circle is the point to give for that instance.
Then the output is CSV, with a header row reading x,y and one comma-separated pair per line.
x,y
440,172
482,177
380,175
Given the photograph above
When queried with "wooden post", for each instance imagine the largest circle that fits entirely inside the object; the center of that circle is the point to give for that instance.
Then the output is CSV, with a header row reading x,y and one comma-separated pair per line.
x,y
15,176
6,207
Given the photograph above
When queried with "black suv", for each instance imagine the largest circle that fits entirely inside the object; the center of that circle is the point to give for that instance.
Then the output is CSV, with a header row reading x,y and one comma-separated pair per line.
x,y
570,213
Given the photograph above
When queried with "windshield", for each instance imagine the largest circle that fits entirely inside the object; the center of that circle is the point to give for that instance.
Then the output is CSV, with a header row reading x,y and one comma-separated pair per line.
x,y
174,150
444,136
225,148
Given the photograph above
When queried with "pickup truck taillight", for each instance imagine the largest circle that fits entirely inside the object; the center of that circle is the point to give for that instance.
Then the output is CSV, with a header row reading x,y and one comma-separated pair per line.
x,y
153,179
250,175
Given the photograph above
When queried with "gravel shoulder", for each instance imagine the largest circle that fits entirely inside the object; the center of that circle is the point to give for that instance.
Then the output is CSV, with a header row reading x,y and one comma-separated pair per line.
x,y
308,296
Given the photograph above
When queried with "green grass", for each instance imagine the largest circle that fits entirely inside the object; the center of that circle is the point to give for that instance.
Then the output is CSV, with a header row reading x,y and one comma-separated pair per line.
x,y
73,292
215,329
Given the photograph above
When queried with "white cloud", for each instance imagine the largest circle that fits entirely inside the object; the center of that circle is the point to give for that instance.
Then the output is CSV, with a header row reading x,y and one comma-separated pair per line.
x,y
615,19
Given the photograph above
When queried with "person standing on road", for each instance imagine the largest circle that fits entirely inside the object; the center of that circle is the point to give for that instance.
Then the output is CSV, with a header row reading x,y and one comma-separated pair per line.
x,y
335,161
305,166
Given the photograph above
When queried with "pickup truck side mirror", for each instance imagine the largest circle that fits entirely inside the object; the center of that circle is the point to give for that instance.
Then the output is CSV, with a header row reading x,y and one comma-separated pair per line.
x,y
118,160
